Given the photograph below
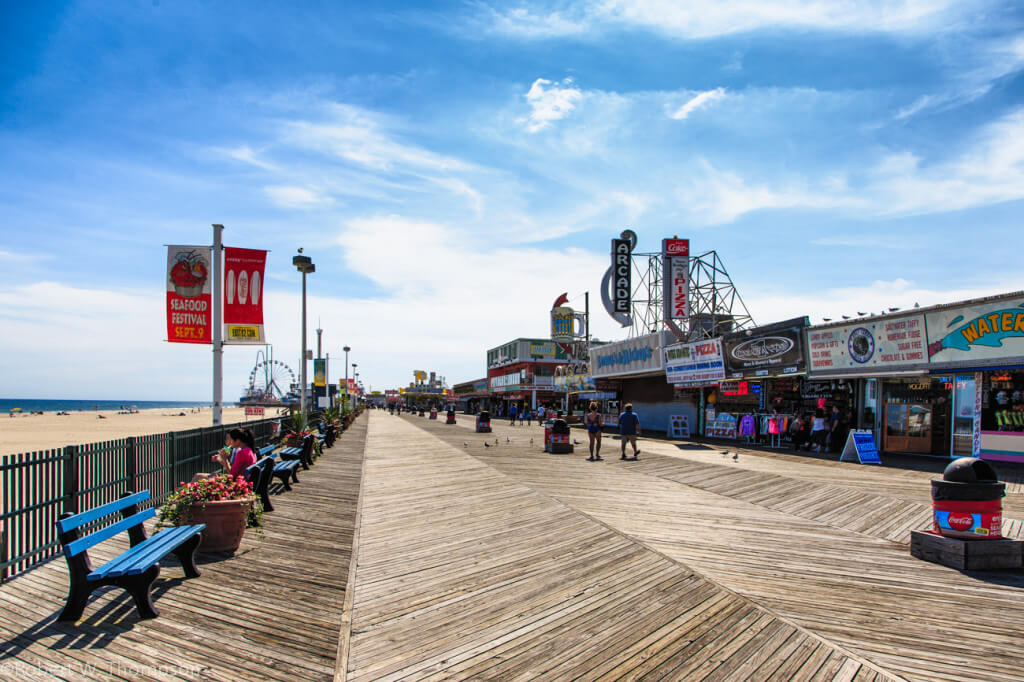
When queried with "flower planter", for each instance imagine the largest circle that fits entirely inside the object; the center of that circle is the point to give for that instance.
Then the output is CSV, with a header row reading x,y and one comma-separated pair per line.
x,y
225,523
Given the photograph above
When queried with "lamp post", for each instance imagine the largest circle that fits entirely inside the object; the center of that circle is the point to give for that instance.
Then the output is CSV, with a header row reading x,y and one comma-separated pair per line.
x,y
355,374
346,349
303,264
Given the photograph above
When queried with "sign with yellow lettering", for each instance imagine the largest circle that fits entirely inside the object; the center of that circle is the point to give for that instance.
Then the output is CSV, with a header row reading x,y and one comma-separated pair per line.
x,y
977,332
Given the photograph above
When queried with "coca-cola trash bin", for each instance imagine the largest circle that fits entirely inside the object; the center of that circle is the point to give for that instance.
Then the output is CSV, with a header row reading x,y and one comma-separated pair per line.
x,y
556,437
967,503
483,422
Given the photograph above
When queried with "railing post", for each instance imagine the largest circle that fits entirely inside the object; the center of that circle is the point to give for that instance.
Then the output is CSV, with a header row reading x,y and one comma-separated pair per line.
x,y
129,465
172,451
71,479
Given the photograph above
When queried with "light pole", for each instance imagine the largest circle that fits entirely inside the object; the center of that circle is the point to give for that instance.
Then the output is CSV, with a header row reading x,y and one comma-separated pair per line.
x,y
303,264
355,374
346,349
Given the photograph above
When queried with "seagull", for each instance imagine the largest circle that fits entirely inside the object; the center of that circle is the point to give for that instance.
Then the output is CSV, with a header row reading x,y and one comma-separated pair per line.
x,y
531,441
486,444
861,314
496,440
916,304
465,444
846,317
827,319
507,439
575,442
892,310
736,457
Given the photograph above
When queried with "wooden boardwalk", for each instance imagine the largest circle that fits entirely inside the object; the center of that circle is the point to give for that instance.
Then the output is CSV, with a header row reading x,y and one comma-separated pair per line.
x,y
464,572
272,612
798,551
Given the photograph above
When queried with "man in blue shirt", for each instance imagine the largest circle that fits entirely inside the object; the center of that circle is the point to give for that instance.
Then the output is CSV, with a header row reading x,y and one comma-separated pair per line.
x,y
629,429
512,410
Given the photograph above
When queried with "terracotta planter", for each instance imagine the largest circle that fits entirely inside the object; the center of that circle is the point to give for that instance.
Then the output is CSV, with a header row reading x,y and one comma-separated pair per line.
x,y
225,523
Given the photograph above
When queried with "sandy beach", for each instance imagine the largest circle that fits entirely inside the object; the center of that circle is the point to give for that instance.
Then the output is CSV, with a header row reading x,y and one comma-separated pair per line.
x,y
30,432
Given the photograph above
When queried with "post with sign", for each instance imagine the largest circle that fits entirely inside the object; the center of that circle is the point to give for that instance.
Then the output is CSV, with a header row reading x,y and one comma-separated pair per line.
x,y
675,268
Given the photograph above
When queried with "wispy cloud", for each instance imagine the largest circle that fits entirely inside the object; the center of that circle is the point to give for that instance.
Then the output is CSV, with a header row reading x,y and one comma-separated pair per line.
x,y
245,154
700,101
550,101
690,19
296,197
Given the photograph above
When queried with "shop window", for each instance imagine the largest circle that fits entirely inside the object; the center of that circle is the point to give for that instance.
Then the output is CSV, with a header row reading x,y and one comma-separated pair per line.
x,y
1003,402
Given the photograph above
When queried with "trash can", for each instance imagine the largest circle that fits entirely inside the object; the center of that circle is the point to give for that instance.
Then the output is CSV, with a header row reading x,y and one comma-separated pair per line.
x,y
450,418
433,413
483,422
556,437
967,503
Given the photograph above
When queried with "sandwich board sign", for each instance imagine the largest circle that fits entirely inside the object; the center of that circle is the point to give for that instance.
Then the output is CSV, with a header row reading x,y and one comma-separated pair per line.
x,y
860,444
678,426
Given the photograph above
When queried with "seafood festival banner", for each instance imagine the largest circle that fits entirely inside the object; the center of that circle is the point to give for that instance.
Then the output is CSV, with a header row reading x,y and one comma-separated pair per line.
x,y
189,313
243,295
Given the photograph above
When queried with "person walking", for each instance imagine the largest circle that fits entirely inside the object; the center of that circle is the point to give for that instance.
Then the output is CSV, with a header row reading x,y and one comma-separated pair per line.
x,y
512,411
529,417
540,415
594,423
819,432
629,429
522,415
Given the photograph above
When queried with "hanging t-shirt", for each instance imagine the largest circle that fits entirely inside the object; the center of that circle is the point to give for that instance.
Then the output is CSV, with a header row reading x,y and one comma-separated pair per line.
x,y
747,425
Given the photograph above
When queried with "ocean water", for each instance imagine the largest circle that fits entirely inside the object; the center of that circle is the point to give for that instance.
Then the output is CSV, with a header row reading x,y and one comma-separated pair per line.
x,y
36,405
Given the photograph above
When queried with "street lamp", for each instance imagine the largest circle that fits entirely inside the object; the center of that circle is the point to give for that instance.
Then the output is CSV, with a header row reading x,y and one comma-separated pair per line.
x,y
303,264
346,349
355,374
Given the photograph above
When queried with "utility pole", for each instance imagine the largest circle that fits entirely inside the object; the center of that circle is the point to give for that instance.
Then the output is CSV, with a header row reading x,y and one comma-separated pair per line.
x,y
218,326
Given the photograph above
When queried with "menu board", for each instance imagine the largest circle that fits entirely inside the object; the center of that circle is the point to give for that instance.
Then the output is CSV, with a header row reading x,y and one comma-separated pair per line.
x,y
884,342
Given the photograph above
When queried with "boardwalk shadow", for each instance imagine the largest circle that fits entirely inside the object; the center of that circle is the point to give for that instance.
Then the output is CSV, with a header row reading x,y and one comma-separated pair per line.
x,y
96,630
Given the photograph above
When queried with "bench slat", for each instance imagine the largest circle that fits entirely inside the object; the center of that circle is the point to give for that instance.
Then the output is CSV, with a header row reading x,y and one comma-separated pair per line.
x,y
139,558
266,449
99,512
84,543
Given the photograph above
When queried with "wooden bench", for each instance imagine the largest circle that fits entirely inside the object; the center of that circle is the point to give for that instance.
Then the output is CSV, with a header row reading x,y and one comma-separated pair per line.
x,y
133,570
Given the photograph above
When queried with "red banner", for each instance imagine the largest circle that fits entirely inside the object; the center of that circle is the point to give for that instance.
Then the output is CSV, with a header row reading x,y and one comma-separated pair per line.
x,y
189,313
243,295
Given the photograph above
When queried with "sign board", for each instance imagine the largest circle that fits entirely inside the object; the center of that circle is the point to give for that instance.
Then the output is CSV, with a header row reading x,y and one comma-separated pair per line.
x,y
634,356
694,364
562,323
320,372
773,350
243,295
676,268
678,426
876,344
987,331
189,309
323,401
622,275
860,444
251,411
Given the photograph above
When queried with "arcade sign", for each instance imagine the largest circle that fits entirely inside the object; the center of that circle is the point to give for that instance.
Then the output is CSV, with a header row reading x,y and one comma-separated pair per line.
x,y
617,283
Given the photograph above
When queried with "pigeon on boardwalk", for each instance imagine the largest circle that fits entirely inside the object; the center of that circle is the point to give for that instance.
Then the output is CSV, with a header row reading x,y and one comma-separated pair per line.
x,y
465,444
486,444
736,457
575,442
531,441
507,439
496,440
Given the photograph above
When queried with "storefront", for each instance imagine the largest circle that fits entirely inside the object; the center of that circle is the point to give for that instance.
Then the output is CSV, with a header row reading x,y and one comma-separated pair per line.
x,y
691,368
471,396
638,367
761,393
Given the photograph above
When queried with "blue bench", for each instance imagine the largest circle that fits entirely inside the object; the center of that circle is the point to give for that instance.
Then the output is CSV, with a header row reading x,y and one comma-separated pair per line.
x,y
287,470
303,454
260,474
134,570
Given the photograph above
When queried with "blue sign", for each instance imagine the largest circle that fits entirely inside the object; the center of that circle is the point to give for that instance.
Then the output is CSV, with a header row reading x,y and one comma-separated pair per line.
x,y
861,443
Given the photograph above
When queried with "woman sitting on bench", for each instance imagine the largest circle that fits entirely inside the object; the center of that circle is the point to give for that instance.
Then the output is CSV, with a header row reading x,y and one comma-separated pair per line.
x,y
243,444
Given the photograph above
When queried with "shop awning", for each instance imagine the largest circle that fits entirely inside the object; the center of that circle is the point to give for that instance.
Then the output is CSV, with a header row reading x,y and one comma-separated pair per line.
x,y
875,375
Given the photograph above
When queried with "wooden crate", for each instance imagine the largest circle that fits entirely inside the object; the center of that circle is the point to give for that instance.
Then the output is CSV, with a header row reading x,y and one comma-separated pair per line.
x,y
967,555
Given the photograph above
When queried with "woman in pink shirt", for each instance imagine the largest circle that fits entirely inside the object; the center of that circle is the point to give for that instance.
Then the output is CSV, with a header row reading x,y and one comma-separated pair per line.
x,y
237,455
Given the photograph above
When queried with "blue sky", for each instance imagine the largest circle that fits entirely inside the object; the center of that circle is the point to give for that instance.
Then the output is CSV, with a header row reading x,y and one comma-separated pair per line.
x,y
452,167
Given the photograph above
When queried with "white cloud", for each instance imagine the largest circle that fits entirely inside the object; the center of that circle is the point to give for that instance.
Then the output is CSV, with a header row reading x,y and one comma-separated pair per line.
x,y
550,103
287,196
245,154
691,19
700,101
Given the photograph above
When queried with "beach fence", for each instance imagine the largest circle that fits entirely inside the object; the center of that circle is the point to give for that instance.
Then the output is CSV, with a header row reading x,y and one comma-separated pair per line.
x,y
37,487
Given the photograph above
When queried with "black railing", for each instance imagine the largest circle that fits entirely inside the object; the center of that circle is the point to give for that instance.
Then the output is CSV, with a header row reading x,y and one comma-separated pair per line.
x,y
37,487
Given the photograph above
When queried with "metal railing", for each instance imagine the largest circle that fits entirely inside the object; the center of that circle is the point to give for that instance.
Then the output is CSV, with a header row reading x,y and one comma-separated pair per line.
x,y
37,487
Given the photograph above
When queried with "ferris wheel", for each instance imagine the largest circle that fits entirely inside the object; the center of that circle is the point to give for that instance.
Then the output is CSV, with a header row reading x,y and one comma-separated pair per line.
x,y
270,379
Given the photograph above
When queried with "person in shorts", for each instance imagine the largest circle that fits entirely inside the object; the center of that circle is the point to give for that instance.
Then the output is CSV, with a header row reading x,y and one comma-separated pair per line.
x,y
594,423
629,430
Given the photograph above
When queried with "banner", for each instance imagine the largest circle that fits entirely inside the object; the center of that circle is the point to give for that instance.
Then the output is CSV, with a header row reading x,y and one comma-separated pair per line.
x,y
980,332
243,295
319,372
695,364
189,309
622,277
634,356
878,343
773,350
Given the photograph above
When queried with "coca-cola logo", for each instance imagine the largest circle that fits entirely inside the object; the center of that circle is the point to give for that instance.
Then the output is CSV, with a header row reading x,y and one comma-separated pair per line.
x,y
960,521
764,348
677,247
